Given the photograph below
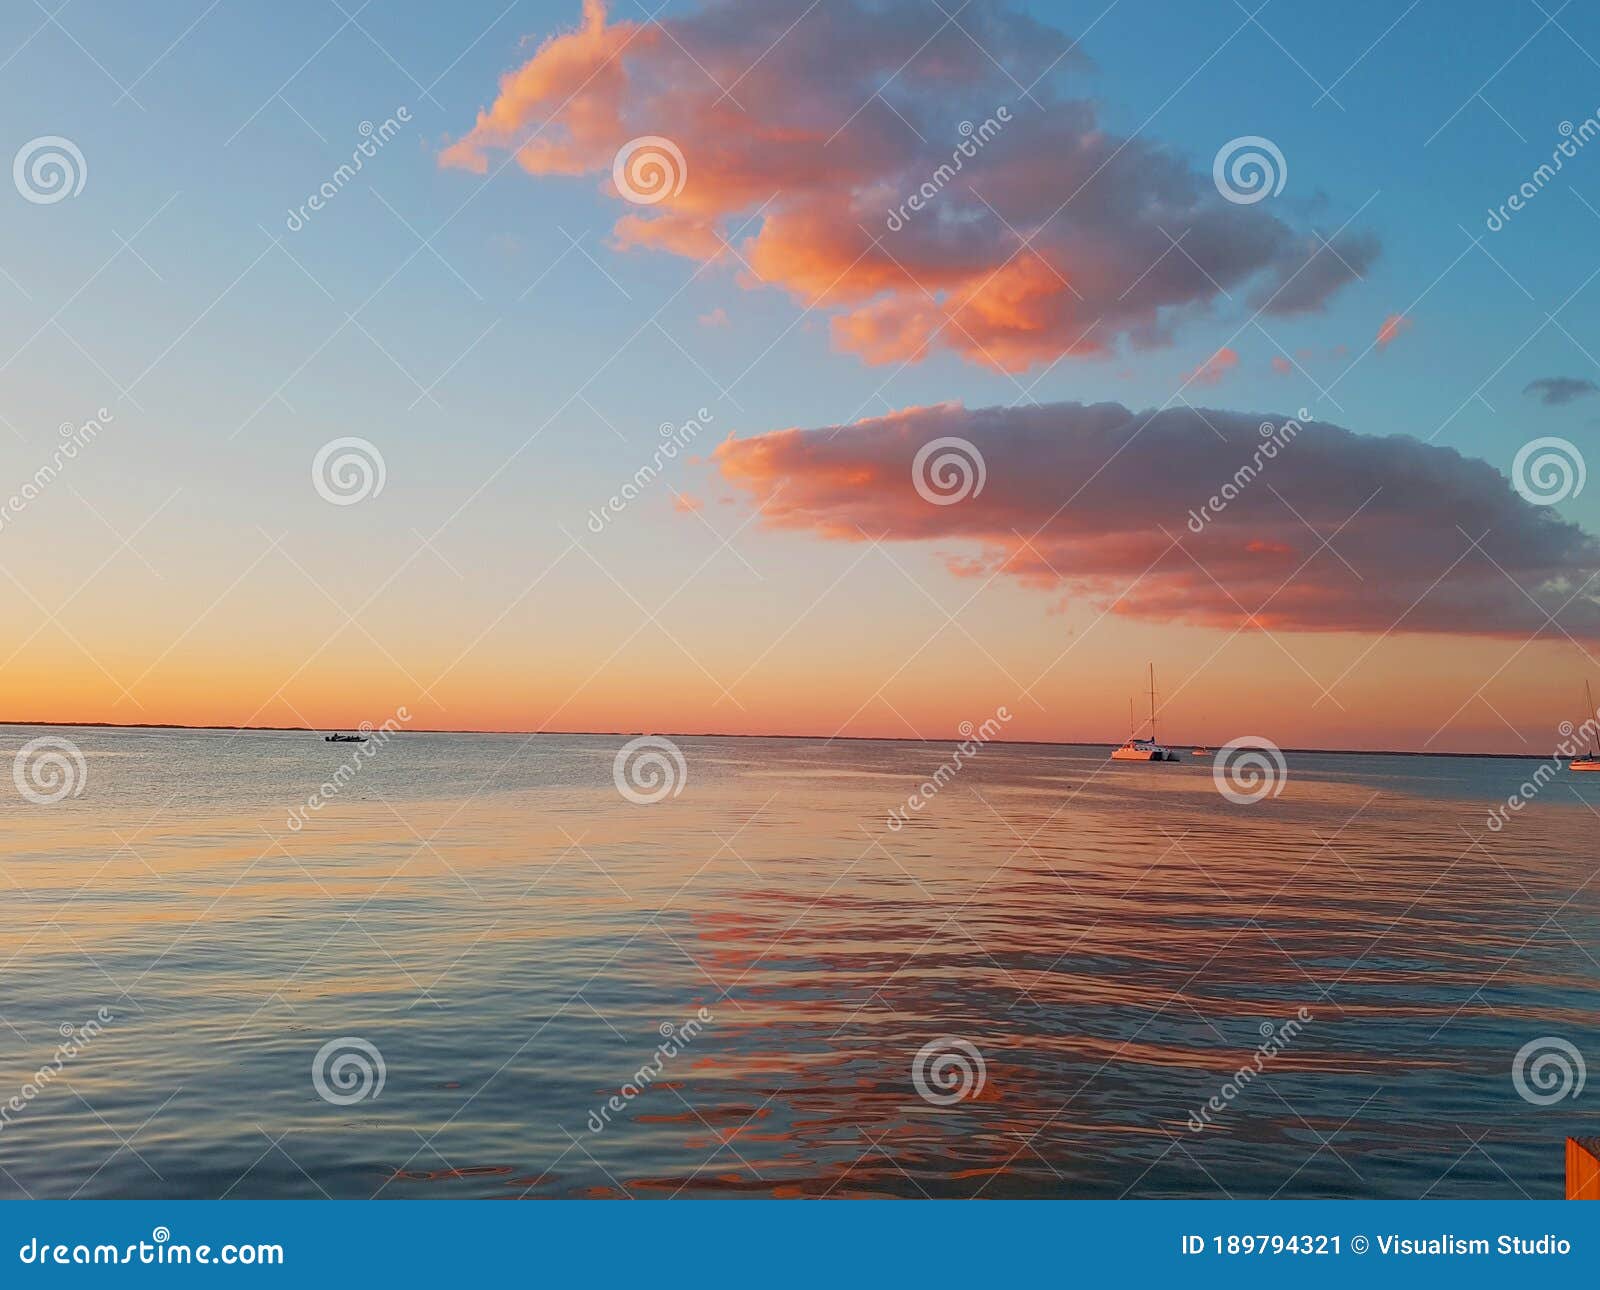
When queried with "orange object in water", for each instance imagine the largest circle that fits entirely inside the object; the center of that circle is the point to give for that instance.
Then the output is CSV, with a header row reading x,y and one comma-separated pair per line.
x,y
1583,1168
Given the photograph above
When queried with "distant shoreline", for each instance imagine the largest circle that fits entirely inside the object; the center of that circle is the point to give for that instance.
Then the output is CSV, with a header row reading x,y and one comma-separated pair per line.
x,y
715,734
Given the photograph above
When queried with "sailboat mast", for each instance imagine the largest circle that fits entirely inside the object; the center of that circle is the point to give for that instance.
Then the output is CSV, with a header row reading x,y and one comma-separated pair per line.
x,y
1589,716
1153,704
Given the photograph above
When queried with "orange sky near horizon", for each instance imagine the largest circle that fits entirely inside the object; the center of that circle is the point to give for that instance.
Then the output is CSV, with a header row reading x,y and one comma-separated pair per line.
x,y
1412,692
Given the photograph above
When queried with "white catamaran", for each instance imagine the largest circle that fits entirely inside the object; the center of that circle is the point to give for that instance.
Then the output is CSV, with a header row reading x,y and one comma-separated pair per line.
x,y
1137,749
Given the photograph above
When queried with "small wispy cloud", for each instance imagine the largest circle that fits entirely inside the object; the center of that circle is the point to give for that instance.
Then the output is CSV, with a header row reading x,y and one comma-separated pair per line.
x,y
1391,328
1556,391
1215,368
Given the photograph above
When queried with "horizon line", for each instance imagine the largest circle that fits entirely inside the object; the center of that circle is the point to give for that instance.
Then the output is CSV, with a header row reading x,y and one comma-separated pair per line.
x,y
714,734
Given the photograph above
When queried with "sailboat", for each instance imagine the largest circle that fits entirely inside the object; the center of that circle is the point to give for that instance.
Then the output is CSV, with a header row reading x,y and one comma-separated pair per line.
x,y
1591,759
1137,749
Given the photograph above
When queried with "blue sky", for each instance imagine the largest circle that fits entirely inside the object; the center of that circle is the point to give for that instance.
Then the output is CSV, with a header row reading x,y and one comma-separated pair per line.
x,y
228,360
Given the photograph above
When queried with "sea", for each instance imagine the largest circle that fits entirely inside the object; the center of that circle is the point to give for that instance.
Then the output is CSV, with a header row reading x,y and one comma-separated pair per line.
x,y
257,964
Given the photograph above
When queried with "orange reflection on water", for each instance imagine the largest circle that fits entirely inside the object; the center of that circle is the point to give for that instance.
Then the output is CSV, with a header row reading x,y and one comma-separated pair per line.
x,y
1115,941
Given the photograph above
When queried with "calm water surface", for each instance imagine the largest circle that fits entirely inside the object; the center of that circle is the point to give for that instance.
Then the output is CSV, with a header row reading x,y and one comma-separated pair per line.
x,y
512,937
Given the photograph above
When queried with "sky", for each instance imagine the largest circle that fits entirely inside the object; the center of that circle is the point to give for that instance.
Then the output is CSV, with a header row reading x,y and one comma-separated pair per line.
x,y
579,234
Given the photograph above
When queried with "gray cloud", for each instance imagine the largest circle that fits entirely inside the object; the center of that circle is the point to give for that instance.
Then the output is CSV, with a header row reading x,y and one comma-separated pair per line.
x,y
1554,391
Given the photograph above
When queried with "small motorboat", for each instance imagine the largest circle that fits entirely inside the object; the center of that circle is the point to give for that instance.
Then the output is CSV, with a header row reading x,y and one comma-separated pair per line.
x,y
1136,749
344,739
1200,752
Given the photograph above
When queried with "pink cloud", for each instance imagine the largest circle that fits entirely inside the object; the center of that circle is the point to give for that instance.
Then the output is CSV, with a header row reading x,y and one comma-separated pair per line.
x,y
685,504
1392,326
718,317
1281,365
904,238
1121,510
1214,368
